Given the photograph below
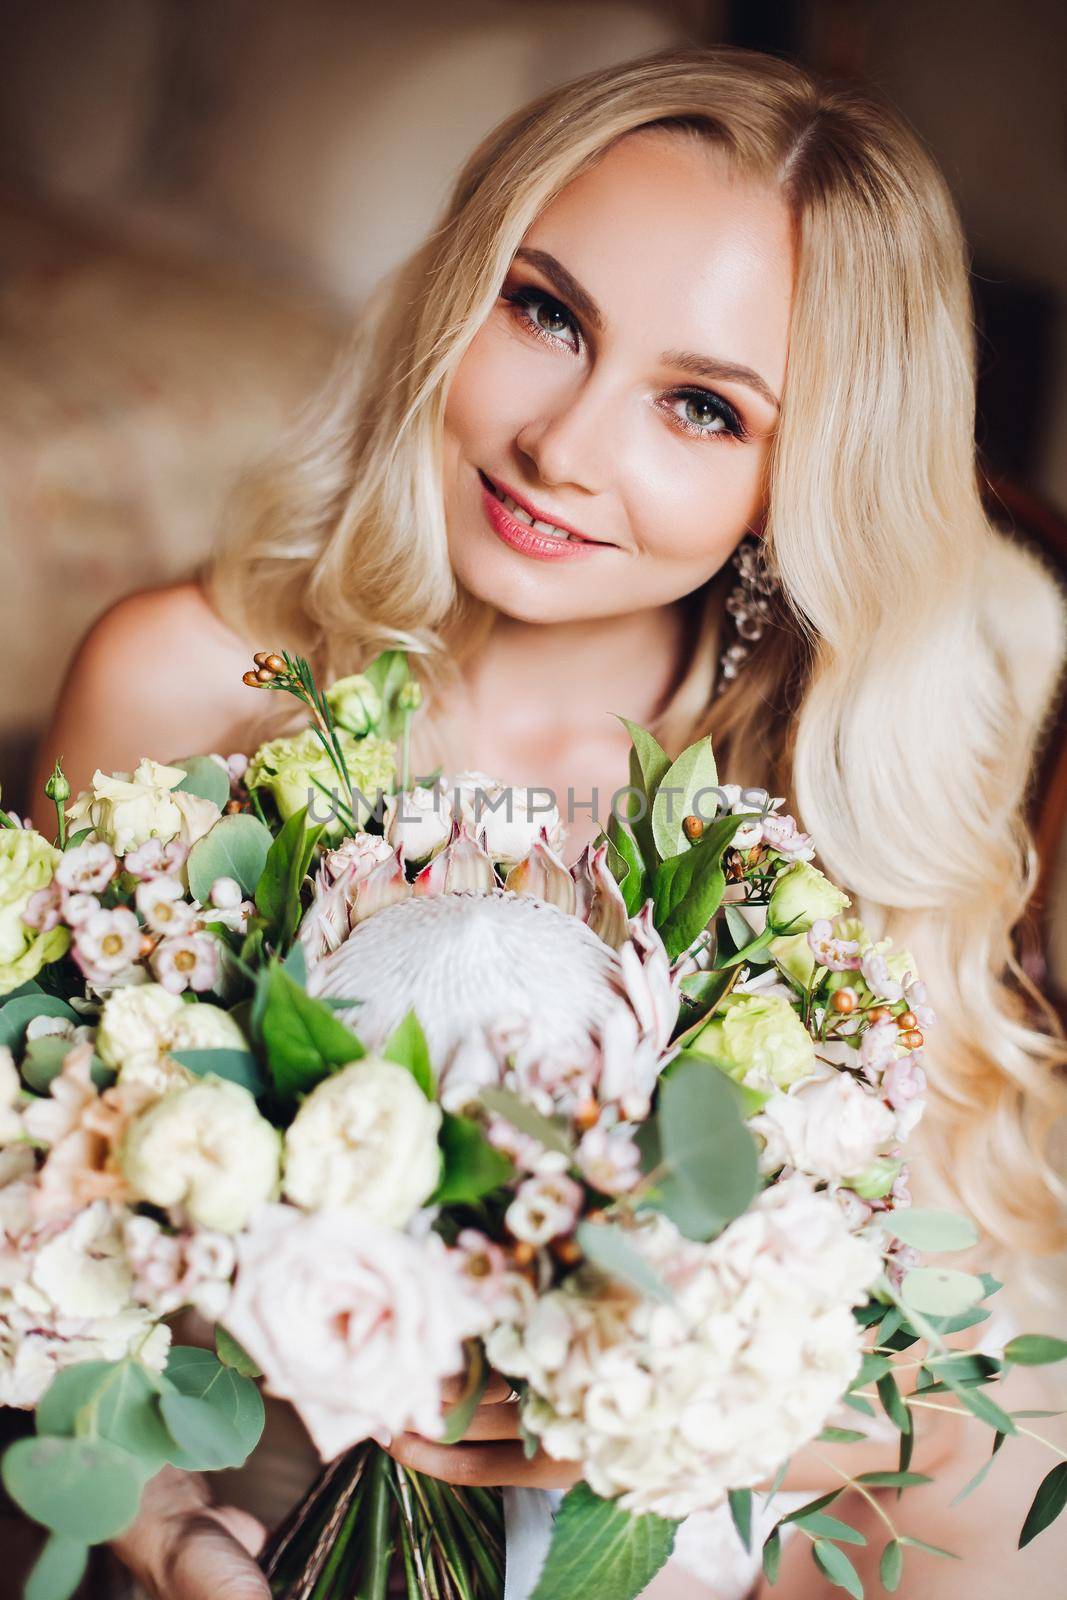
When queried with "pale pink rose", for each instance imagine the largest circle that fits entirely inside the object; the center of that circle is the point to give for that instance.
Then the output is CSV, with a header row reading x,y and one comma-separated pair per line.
x,y
354,1323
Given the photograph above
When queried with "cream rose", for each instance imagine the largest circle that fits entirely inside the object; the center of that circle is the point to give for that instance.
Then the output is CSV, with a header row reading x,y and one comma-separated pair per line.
x,y
126,809
829,1127
352,1322
140,1026
367,1138
205,1148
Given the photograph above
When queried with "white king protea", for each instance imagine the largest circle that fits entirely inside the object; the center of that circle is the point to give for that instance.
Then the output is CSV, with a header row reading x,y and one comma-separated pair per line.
x,y
543,983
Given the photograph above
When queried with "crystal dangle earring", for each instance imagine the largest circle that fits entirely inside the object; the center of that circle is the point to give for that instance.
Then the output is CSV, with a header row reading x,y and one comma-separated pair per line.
x,y
749,603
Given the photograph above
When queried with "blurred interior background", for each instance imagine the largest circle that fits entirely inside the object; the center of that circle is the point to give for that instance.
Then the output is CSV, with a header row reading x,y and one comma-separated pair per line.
x,y
196,196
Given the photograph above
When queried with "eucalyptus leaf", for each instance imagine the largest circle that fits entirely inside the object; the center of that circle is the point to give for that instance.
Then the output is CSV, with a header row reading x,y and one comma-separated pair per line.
x,y
940,1291
837,1567
710,1156
606,1245
601,1552
891,1566
1048,1502
926,1229
43,1062
58,1570
1035,1350
234,1355
206,778
202,1376
236,847
88,1490
16,1016
677,795
112,1400
206,1438
822,1525
503,1103
237,1066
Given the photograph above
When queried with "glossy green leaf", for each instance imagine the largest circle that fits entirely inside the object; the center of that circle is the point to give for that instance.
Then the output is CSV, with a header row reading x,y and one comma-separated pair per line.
x,y
682,792
407,1046
772,1556
1048,1502
458,1418
740,1502
277,894
304,1041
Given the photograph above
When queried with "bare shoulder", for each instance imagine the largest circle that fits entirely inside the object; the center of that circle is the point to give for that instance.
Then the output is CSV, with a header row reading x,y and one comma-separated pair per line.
x,y
158,673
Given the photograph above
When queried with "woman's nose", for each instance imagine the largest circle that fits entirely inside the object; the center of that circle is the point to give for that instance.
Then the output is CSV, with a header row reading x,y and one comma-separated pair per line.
x,y
570,441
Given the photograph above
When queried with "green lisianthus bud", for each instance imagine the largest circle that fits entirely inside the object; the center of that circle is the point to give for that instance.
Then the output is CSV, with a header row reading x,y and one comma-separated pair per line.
x,y
57,787
410,696
759,1041
875,1181
355,704
801,895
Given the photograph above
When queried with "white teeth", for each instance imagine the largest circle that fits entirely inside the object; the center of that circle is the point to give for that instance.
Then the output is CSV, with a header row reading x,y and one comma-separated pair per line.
x,y
520,515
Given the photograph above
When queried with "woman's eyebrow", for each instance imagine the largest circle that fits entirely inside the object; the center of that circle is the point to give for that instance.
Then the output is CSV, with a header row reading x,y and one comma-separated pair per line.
x,y
710,367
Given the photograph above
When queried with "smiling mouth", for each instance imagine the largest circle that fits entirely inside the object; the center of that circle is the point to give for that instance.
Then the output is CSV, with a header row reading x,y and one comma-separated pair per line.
x,y
550,530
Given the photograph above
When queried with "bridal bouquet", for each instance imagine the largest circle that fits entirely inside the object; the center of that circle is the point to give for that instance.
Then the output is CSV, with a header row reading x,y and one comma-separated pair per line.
x,y
387,1094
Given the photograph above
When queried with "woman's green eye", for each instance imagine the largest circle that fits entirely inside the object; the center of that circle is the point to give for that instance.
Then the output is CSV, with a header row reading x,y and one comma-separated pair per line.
x,y
701,412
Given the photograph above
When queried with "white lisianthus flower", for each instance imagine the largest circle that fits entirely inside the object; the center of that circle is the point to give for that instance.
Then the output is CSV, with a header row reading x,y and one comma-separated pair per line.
x,y
419,821
366,1137
127,809
205,1148
829,1127
354,1323
668,1405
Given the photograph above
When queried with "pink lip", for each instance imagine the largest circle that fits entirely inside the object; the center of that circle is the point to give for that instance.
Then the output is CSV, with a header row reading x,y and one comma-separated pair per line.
x,y
527,540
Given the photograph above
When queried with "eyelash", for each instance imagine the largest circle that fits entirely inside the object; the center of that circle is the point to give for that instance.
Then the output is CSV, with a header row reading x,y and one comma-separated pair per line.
x,y
523,299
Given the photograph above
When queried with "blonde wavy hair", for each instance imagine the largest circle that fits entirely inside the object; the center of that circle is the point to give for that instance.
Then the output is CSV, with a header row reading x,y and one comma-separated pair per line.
x,y
899,702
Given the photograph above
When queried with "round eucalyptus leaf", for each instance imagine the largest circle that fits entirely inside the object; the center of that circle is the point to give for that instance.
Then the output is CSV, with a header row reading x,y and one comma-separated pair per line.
x,y
940,1291
205,778
236,847
201,1431
201,1375
927,1229
85,1489
117,1400
17,1014
58,1569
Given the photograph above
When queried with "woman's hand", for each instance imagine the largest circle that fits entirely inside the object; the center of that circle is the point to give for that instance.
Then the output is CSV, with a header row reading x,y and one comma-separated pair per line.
x,y
180,1547
491,1452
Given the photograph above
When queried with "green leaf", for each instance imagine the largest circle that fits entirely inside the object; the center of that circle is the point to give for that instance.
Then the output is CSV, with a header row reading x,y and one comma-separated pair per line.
x,y
693,772
606,1245
236,847
44,1059
748,946
811,1506
200,1375
891,1566
688,888
601,1552
972,1483
285,868
206,778
634,881
837,1567
841,1436
58,1569
827,1527
503,1103
772,1556
112,1400
741,1511
892,1403
237,1066
927,1229
472,1166
88,1490
234,1355
940,1291
980,1405
648,762
893,1480
1048,1502
389,672
709,1154
457,1420
407,1046
931,1549
303,1039
1035,1350
856,1402
16,1016
207,1439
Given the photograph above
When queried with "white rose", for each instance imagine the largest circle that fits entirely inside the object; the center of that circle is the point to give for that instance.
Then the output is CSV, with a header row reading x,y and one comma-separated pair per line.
x,y
419,820
83,1271
139,1026
206,1148
511,828
352,1322
125,809
367,1138
829,1127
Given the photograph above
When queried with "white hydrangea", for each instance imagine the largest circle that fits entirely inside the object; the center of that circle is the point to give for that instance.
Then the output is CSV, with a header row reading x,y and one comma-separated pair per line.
x,y
365,1137
669,1405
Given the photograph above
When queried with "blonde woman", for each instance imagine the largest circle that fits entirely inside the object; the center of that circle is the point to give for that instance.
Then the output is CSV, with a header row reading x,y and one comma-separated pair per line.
x,y
692,308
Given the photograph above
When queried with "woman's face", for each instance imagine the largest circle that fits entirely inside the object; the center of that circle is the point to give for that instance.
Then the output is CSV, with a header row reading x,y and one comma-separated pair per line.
x,y
624,387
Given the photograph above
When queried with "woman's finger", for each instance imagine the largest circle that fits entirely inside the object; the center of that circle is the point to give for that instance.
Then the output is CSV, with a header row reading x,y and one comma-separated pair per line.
x,y
497,1390
493,1422
204,1561
491,1465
